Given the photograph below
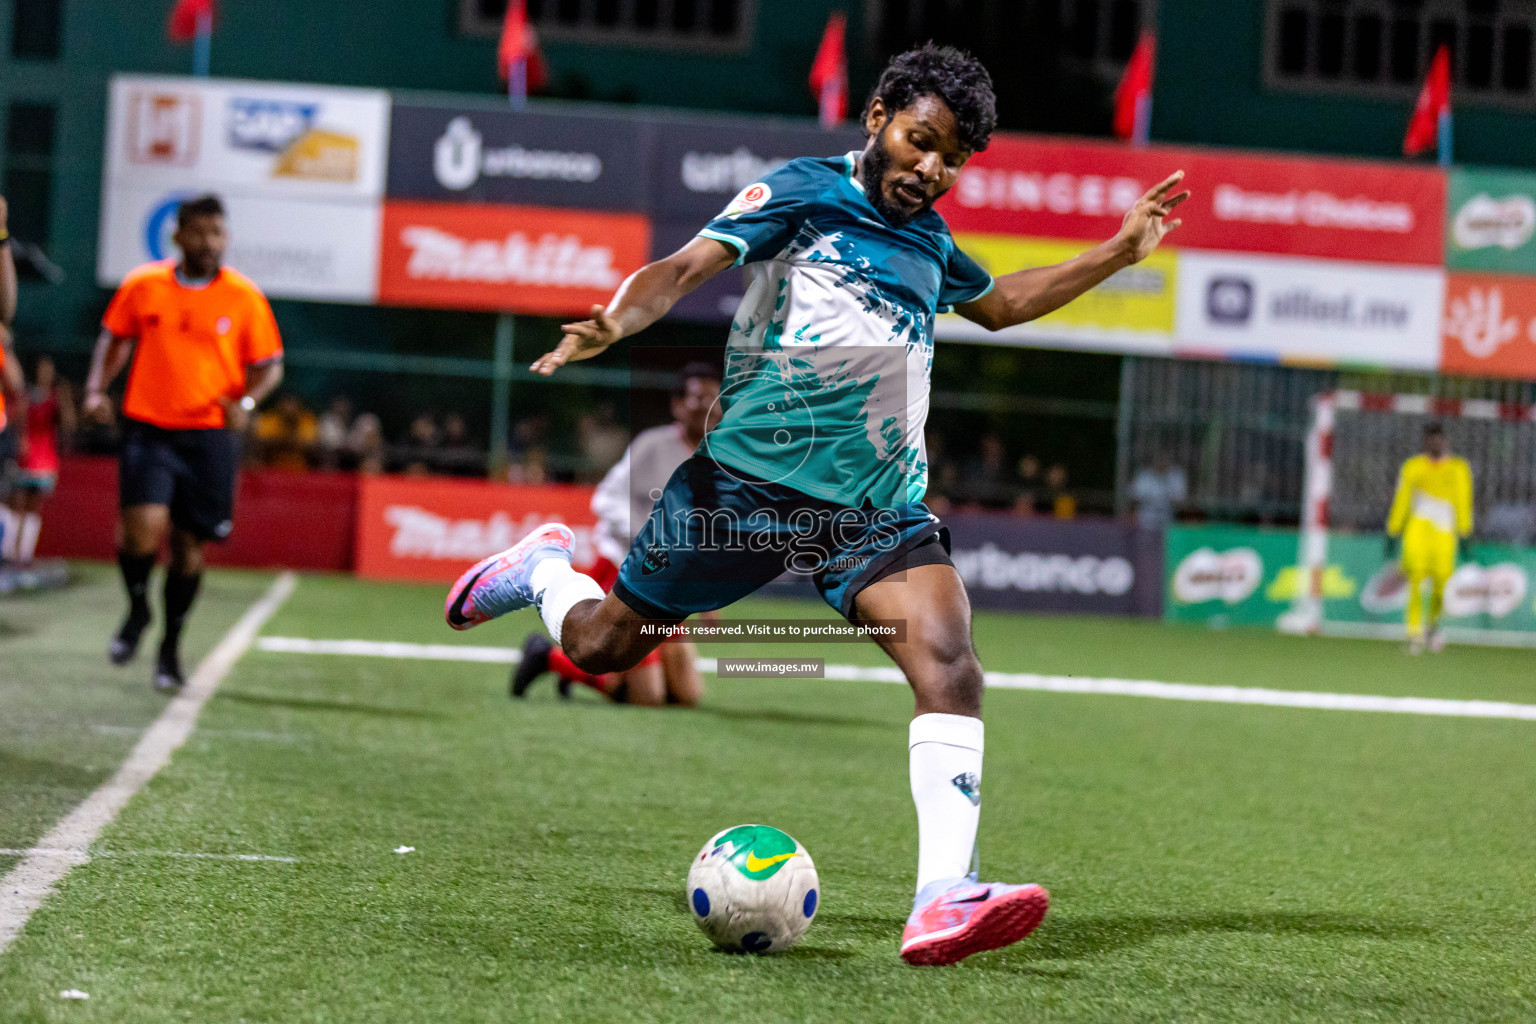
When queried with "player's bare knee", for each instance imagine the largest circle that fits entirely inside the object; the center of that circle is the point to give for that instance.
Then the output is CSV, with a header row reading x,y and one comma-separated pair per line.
x,y
950,679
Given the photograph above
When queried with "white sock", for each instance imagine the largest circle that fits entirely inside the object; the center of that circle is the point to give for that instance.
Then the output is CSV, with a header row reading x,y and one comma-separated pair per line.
x,y
8,534
26,537
946,786
557,588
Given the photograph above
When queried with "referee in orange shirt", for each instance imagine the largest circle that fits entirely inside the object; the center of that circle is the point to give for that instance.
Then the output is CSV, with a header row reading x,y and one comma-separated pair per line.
x,y
205,351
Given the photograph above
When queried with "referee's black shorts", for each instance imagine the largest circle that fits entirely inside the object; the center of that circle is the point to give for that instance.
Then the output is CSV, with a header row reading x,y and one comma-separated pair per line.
x,y
191,471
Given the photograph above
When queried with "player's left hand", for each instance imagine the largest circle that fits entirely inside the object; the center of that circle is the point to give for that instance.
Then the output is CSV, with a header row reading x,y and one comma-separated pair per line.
x,y
583,340
235,416
1147,222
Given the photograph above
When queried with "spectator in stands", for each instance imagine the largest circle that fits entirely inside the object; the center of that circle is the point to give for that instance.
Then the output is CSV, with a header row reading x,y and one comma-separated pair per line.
x,y
286,434
418,451
331,437
1027,502
985,479
456,454
1159,490
529,459
365,444
602,439
1063,503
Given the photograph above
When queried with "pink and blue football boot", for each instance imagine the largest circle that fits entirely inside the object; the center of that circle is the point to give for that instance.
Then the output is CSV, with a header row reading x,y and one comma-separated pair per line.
x,y
954,918
503,583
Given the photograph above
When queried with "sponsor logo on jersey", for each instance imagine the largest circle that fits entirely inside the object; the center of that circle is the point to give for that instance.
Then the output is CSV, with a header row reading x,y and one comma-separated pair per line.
x,y
655,560
748,200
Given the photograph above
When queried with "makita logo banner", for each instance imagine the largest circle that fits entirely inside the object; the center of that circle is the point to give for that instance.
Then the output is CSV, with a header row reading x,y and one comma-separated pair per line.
x,y
524,259
414,528
586,161
1054,565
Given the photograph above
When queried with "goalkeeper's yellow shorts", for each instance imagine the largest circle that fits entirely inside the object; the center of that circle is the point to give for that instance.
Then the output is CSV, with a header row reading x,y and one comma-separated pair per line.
x,y
1428,551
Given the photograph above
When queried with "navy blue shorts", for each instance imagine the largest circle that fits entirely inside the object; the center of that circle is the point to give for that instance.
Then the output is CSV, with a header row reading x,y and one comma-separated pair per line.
x,y
190,471
716,535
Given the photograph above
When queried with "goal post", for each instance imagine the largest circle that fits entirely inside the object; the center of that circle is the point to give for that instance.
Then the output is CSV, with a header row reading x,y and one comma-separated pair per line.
x,y
1354,447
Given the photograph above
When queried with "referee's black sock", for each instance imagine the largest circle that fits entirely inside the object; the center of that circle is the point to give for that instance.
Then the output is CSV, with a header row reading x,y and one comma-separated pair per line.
x,y
180,592
136,570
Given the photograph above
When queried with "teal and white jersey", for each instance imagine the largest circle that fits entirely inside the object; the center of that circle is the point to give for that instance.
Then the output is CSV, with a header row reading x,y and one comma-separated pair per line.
x,y
827,370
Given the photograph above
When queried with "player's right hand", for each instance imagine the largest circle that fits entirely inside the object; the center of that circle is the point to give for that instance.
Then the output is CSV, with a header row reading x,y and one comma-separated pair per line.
x,y
583,340
97,407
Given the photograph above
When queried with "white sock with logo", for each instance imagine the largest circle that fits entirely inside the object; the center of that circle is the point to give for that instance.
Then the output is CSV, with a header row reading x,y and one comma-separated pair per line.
x,y
946,786
557,588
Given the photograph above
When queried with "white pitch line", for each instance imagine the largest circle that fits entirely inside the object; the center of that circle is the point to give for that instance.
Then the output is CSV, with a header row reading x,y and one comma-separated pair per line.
x,y
388,649
997,680
77,857
29,883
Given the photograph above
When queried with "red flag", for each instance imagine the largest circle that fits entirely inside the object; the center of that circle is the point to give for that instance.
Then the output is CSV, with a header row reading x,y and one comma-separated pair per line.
x,y
829,72
1434,103
1133,96
518,39
182,28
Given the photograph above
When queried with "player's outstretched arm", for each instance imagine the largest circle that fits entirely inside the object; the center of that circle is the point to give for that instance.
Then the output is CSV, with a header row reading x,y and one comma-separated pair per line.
x,y
1028,294
643,298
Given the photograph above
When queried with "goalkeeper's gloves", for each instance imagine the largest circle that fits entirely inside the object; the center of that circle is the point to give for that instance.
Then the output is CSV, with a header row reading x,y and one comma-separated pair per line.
x,y
1389,549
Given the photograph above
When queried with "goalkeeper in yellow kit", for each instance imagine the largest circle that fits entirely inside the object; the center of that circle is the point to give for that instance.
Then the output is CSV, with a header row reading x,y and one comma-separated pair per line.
x,y
1431,515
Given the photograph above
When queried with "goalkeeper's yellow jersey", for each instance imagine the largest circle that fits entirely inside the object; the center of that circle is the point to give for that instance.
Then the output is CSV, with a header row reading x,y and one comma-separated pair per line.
x,y
1436,491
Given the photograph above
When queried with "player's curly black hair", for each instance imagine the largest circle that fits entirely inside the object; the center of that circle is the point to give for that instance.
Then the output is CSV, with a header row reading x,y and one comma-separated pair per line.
x,y
952,75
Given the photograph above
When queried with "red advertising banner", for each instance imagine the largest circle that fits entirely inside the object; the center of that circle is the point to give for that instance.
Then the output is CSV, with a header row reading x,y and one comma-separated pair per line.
x,y
282,519
525,259
1336,209
433,528
1489,328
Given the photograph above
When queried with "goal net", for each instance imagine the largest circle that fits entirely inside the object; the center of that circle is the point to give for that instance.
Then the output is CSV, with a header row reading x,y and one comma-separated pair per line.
x,y
1355,446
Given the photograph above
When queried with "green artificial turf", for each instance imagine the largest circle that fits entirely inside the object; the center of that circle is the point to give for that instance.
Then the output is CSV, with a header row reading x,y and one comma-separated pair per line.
x,y
1207,861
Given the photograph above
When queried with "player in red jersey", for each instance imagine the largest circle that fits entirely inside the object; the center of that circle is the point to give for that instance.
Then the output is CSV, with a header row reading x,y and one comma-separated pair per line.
x,y
50,412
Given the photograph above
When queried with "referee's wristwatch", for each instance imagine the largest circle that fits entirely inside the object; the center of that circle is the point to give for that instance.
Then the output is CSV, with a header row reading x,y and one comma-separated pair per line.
x,y
247,403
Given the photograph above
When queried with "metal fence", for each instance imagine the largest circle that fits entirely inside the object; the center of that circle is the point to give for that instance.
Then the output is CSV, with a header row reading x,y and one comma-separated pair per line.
x,y
1237,432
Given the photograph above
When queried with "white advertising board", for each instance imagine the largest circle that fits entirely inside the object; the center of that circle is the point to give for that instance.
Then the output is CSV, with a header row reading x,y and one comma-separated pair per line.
x,y
230,137
292,248
1322,312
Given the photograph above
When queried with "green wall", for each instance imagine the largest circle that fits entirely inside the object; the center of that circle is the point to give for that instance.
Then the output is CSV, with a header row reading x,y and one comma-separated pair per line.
x,y
1210,89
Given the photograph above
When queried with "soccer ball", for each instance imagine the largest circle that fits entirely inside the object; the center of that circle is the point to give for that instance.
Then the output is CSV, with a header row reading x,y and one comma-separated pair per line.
x,y
753,889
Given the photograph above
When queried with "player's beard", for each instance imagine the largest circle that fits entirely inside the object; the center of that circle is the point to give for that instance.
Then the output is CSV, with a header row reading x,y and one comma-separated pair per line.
x,y
877,164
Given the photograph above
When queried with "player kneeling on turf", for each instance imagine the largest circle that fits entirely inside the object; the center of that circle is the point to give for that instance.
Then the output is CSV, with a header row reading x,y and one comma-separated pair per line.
x,y
818,462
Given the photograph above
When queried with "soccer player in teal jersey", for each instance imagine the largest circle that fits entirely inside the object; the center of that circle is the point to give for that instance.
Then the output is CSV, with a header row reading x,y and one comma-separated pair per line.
x,y
818,462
